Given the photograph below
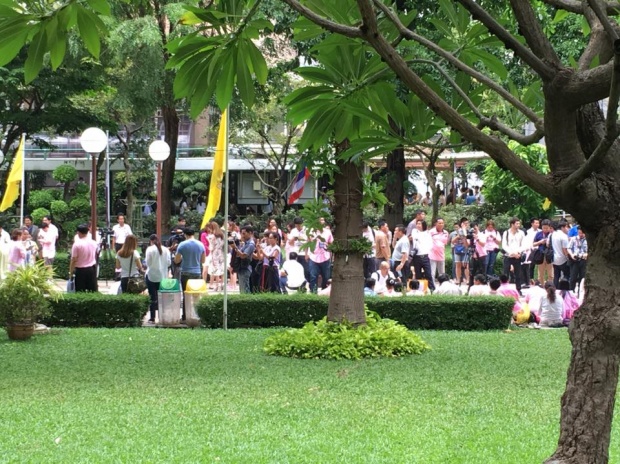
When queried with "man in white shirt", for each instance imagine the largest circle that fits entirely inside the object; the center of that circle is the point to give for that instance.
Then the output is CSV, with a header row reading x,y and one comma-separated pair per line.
x,y
381,277
513,242
528,267
400,255
446,287
369,259
121,231
559,242
291,274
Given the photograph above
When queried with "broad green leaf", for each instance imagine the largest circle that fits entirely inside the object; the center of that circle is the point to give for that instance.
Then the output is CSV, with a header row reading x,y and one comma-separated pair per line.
x,y
489,60
56,40
560,15
8,12
189,18
245,85
259,65
441,26
302,113
449,10
36,51
88,31
13,35
226,80
307,93
100,6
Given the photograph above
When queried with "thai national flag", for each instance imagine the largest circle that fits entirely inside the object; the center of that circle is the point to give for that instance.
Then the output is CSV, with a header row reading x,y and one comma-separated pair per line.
x,y
298,185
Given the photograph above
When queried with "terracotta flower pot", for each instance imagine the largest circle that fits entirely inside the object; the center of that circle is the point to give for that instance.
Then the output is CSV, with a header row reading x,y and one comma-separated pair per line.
x,y
20,331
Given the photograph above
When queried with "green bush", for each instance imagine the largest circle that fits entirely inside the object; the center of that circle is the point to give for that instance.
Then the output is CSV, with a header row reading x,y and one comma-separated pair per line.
x,y
38,215
330,340
82,188
432,312
98,310
80,206
59,209
39,199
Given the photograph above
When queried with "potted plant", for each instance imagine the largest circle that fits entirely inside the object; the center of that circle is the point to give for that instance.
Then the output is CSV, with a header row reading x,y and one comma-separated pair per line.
x,y
24,298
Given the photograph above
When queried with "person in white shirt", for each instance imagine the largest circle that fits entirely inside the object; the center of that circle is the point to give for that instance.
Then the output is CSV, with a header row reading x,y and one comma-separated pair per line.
x,y
559,242
551,307
157,260
420,249
480,288
381,277
48,235
414,288
120,232
446,287
534,297
296,238
291,274
527,267
513,241
369,258
400,254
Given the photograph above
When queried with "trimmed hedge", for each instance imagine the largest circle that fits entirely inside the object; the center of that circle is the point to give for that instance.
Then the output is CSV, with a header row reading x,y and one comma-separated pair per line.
x,y
98,310
430,313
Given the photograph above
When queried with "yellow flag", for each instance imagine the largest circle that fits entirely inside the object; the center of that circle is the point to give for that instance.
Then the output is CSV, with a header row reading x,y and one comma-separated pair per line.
x,y
547,204
217,175
15,177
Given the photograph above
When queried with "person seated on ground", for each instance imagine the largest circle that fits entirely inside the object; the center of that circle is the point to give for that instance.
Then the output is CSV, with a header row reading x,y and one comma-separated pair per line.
x,y
414,288
446,287
390,289
551,308
369,287
534,297
327,290
291,274
570,304
507,289
382,276
479,288
494,286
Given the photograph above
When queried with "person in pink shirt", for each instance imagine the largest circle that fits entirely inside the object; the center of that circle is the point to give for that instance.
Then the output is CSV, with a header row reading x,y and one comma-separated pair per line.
x,y
508,290
17,252
437,255
493,240
84,261
319,259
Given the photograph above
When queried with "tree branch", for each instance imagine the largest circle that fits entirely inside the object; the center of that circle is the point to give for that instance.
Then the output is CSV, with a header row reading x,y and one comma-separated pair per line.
x,y
612,130
458,64
597,44
604,19
325,23
576,6
496,148
530,28
546,72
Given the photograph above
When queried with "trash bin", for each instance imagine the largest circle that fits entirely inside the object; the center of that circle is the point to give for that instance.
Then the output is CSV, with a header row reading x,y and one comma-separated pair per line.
x,y
194,290
169,299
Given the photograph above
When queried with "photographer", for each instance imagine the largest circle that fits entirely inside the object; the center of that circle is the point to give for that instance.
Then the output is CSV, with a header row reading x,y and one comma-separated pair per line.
x,y
245,254
478,253
513,242
460,246
578,255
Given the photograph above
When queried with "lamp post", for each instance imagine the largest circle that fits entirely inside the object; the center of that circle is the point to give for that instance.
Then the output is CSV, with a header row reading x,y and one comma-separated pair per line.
x,y
159,152
93,141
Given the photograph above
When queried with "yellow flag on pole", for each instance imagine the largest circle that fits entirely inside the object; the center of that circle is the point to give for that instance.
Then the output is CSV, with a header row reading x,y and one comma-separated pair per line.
x,y
15,177
217,175
547,204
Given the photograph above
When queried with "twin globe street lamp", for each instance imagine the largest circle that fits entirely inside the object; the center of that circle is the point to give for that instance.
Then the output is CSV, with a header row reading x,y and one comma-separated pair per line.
x,y
94,141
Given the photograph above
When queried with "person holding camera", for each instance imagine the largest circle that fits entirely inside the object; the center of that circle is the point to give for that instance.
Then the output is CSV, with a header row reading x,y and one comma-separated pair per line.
x,y
578,255
460,246
270,254
244,252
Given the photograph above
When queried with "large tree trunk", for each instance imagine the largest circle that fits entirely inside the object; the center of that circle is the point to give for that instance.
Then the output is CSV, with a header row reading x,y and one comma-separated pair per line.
x,y
346,300
588,402
393,211
171,131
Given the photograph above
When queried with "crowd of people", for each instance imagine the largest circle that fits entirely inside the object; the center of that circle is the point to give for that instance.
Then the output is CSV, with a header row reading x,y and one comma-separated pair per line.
x,y
408,260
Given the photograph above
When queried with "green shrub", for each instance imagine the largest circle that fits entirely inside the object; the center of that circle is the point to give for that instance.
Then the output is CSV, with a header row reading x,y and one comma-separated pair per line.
x,y
330,340
65,173
80,206
82,188
39,199
432,312
38,215
59,209
98,310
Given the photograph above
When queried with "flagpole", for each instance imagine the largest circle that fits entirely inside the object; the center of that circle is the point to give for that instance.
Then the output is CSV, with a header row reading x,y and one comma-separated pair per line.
x,y
227,175
23,186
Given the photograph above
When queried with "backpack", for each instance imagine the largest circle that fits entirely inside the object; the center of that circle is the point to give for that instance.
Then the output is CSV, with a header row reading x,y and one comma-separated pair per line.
x,y
548,250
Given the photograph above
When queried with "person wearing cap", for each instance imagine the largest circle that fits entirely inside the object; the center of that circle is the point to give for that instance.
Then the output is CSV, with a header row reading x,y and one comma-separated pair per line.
x,y
84,261
191,256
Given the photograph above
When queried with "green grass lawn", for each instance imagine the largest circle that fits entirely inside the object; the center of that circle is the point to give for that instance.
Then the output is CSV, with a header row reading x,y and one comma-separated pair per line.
x,y
148,395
